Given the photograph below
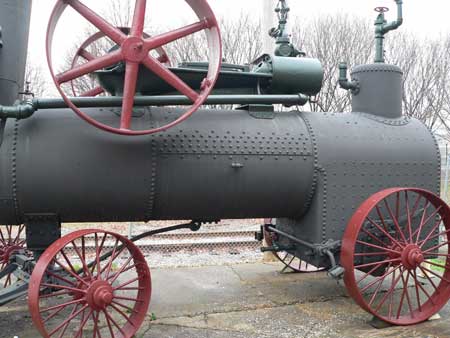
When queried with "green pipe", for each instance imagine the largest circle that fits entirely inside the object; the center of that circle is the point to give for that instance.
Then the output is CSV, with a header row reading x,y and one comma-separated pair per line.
x,y
27,109
344,83
382,28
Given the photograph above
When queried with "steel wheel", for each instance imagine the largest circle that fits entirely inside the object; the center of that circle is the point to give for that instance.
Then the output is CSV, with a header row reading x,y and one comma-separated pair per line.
x,y
390,241
289,261
10,241
73,293
84,53
133,50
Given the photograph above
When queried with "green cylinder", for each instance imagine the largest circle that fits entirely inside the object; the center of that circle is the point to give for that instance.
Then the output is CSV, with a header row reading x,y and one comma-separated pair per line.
x,y
292,75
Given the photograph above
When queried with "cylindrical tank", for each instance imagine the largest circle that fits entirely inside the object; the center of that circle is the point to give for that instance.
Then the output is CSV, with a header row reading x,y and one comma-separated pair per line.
x,y
218,164
381,90
14,23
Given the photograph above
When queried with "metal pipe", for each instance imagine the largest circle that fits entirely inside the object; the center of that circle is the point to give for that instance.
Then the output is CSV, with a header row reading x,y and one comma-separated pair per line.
x,y
25,110
344,82
175,100
292,238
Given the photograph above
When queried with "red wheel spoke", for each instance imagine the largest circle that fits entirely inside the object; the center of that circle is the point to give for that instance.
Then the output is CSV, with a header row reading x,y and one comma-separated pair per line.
x,y
129,92
416,282
117,274
408,217
61,278
377,247
433,214
113,321
96,329
122,269
369,273
380,284
137,28
380,216
169,77
435,274
122,314
391,298
364,254
55,294
61,306
445,267
126,283
109,325
375,263
124,306
18,234
67,320
129,298
114,255
425,291
75,275
83,324
446,232
54,286
368,286
386,233
86,270
97,261
395,220
433,254
90,67
93,92
406,292
109,30
391,290
67,324
166,38
373,236
433,230
86,55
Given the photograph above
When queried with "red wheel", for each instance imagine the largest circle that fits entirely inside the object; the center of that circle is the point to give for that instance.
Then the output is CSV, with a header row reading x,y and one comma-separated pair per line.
x,y
289,260
391,239
134,51
10,241
73,293
84,53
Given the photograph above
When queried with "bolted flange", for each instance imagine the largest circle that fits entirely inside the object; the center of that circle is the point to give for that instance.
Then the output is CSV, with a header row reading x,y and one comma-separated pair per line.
x,y
99,295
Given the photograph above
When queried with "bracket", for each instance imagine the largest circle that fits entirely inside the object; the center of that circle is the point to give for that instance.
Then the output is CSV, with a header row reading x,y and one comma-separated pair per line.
x,y
1,35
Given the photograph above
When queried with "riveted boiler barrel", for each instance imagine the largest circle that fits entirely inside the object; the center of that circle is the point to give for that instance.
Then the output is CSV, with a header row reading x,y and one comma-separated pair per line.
x,y
14,24
218,164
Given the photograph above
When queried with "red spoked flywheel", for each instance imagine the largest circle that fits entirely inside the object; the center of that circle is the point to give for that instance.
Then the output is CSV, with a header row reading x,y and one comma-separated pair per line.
x,y
395,253
90,283
83,53
133,50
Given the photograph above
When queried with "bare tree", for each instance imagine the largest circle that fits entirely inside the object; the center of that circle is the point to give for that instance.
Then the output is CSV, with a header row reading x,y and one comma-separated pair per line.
x,y
34,79
334,39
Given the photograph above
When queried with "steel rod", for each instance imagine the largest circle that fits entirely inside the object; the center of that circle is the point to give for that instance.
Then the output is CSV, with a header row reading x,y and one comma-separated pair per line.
x,y
299,241
115,101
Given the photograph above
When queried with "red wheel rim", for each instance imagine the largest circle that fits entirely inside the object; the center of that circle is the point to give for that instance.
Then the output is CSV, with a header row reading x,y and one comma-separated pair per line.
x,y
72,292
289,260
11,240
133,49
386,247
83,53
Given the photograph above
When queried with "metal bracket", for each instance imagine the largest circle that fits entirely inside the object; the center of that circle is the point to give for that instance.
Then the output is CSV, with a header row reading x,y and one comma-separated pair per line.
x,y
1,36
259,111
42,230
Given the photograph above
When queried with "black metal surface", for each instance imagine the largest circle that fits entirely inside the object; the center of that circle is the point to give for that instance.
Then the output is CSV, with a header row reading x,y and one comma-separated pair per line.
x,y
14,19
41,231
55,163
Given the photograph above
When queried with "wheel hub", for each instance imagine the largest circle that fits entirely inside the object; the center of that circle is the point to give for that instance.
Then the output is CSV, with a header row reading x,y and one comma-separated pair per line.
x,y
133,49
412,256
100,295
6,252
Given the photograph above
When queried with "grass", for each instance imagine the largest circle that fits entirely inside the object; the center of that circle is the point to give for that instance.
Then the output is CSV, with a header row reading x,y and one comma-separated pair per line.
x,y
437,261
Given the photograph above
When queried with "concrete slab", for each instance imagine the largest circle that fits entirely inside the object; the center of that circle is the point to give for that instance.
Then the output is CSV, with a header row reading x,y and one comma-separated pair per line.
x,y
247,301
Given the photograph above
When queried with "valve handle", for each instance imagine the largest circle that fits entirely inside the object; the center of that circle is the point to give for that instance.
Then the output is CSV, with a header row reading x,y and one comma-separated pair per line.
x,y
133,50
381,9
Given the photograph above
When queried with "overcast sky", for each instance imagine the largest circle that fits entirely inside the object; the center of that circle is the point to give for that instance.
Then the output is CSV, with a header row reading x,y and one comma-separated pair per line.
x,y
423,18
